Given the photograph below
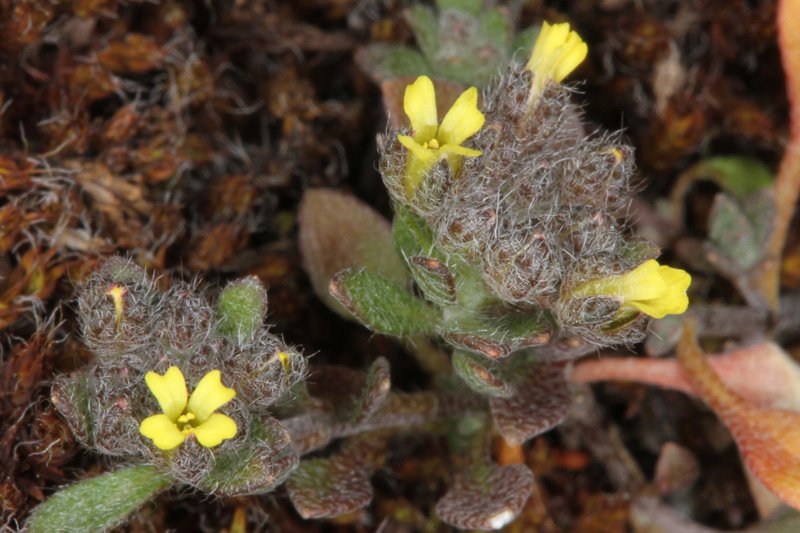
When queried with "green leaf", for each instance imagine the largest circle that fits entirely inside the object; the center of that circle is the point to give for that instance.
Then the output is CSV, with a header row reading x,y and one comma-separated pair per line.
x,y
387,61
543,400
759,208
74,397
433,278
339,231
413,236
494,27
256,466
338,484
490,498
465,54
497,336
425,27
241,308
740,176
731,232
522,43
373,394
383,305
98,503
481,375
470,7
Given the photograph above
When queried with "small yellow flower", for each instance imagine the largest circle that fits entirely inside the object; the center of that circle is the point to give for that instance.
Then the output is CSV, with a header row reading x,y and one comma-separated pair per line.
x,y
184,415
431,140
117,293
556,53
653,289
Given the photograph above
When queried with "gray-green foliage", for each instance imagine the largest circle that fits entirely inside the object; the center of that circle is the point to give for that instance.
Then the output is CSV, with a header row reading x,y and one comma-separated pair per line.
x,y
460,40
241,308
98,503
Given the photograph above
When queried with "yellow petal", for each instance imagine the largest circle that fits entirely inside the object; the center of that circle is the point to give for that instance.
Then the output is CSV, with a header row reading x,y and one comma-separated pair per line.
x,y
573,53
654,289
642,283
673,300
452,149
163,431
649,307
169,390
417,150
676,278
462,121
556,52
548,40
419,162
215,430
419,103
209,395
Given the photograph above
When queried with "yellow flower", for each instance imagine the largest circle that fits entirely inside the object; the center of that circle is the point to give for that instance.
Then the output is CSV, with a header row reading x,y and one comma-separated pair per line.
x,y
184,415
556,53
433,141
653,289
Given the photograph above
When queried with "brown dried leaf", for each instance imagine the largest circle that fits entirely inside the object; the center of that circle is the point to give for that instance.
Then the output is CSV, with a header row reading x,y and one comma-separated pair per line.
x,y
134,54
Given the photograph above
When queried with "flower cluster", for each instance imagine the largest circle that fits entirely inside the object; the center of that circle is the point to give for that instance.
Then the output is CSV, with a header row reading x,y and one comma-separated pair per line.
x,y
533,208
148,344
431,141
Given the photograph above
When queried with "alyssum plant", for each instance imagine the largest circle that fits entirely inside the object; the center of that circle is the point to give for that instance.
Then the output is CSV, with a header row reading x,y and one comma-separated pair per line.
x,y
509,218
189,392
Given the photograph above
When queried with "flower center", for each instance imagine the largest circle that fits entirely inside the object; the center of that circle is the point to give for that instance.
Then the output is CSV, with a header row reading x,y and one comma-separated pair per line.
x,y
433,144
186,423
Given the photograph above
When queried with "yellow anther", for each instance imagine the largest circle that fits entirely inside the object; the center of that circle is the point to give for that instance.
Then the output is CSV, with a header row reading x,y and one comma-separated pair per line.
x,y
186,418
283,357
616,152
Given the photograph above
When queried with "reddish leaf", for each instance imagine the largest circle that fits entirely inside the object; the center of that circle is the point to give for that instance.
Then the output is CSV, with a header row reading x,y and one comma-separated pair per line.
x,y
768,438
763,374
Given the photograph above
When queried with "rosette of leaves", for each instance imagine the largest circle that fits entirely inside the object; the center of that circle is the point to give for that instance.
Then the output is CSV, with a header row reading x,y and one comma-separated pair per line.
x,y
147,328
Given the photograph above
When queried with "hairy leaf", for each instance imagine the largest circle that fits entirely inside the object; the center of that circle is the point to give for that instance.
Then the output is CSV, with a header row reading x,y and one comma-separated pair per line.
x,y
339,231
99,503
383,305
542,401
255,466
487,499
